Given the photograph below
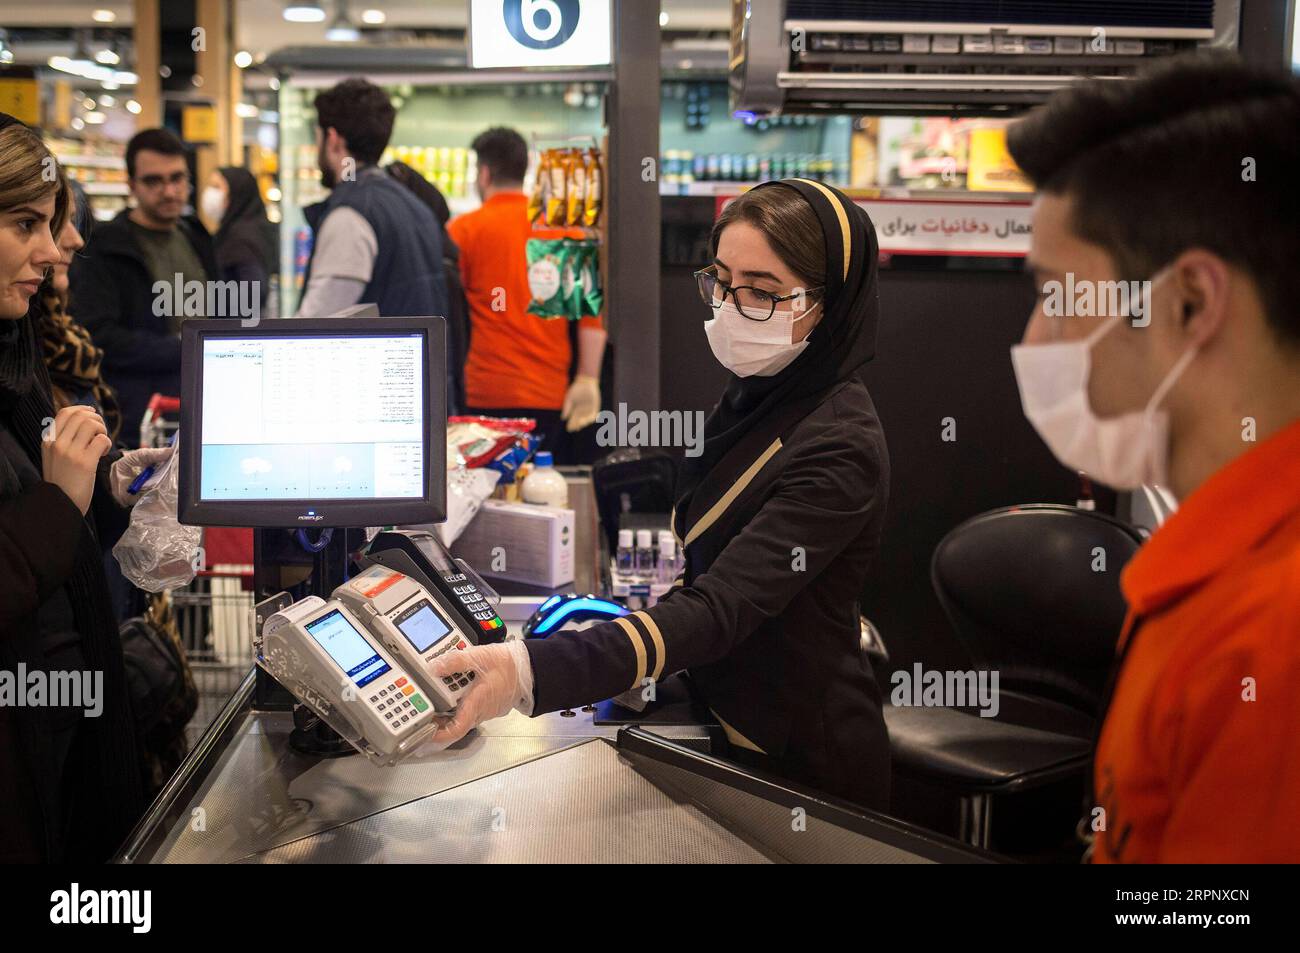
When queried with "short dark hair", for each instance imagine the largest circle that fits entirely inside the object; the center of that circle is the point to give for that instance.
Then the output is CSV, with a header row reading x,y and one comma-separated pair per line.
x,y
504,153
361,113
1159,164
155,140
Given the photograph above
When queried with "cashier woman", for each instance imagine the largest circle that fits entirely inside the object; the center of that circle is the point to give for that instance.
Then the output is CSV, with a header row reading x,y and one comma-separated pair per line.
x,y
780,517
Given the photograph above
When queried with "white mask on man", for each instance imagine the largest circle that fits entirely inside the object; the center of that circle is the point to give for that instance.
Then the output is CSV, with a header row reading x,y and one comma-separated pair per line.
x,y
754,348
1125,451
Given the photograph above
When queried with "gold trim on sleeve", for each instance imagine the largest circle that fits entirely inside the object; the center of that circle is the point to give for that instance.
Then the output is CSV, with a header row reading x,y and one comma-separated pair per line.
x,y
657,638
638,647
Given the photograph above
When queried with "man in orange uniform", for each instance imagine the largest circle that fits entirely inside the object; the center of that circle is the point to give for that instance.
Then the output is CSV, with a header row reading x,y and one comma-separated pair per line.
x,y
1184,181
518,364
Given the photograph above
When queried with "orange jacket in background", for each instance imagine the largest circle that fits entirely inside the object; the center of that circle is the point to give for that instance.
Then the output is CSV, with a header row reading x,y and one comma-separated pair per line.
x,y
1188,769
515,359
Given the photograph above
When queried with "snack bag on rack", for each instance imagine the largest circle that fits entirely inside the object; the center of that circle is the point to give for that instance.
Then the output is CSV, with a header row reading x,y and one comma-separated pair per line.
x,y
575,197
547,258
555,198
541,186
591,199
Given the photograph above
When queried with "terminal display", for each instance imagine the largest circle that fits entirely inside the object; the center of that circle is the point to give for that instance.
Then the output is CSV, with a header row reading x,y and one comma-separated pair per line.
x,y
422,626
293,418
313,423
349,649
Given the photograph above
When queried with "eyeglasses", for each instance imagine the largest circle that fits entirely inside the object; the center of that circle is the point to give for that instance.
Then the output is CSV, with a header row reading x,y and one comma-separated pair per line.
x,y
158,181
754,303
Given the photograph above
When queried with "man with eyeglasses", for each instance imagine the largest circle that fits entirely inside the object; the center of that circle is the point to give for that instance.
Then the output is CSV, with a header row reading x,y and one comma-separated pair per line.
x,y
112,281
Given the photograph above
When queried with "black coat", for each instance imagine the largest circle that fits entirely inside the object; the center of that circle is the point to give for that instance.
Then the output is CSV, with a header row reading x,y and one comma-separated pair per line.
x,y
112,297
80,803
778,537
244,241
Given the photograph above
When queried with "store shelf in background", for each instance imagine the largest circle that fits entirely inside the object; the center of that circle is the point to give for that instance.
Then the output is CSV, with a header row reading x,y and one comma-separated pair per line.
x,y
92,161
106,188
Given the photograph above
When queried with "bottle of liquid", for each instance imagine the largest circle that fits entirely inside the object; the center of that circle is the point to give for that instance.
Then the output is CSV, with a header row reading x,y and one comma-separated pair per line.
x,y
645,555
624,558
667,570
544,485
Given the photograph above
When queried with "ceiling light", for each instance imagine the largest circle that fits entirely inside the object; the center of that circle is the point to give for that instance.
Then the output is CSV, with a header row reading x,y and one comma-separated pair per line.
x,y
243,59
373,17
297,12
103,16
107,57
663,18
133,107
96,119
342,30
246,110
107,101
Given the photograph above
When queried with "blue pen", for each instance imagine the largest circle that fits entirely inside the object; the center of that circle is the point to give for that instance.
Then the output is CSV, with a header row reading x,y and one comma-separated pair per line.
x,y
138,483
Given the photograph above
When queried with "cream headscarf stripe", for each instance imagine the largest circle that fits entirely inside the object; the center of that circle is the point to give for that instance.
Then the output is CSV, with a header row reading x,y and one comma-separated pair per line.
x,y
844,222
720,507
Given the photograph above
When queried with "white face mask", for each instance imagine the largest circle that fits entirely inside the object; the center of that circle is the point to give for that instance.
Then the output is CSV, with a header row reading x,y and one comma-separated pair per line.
x,y
1125,451
212,203
754,348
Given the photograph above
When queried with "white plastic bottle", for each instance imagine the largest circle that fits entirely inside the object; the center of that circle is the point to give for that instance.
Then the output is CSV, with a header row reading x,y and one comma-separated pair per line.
x,y
624,558
645,555
544,485
667,557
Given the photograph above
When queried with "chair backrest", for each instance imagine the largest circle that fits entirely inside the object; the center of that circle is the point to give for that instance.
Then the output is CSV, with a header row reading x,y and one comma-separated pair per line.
x,y
1033,592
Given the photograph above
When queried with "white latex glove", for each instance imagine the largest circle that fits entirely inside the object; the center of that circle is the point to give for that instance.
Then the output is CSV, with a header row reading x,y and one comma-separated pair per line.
x,y
581,403
503,680
128,467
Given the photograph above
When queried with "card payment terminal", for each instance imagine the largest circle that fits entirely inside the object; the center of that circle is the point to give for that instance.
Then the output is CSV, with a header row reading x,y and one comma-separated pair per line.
x,y
324,654
412,626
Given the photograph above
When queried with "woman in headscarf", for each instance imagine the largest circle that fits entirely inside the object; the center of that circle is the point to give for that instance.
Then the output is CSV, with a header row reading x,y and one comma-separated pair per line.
x,y
70,355
779,517
70,786
232,204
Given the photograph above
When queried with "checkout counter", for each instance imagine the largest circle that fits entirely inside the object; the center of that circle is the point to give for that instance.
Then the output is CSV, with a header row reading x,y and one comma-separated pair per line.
x,y
598,785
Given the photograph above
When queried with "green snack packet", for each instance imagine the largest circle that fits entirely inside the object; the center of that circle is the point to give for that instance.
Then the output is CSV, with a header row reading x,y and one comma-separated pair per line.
x,y
593,298
570,286
575,295
547,259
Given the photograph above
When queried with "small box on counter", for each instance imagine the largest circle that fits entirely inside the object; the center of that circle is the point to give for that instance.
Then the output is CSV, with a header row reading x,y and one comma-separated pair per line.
x,y
521,542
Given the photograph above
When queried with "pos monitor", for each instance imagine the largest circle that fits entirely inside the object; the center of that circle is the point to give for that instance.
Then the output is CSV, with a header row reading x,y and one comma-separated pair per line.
x,y
303,422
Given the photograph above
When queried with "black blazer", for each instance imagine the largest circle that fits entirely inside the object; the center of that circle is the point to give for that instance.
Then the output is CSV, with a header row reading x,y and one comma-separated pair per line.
x,y
778,539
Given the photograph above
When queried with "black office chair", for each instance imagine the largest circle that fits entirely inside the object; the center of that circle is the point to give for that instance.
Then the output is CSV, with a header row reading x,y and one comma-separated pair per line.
x,y
1031,592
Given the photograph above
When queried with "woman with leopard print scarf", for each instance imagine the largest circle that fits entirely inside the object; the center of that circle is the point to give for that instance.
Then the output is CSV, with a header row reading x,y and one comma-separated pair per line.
x,y
70,354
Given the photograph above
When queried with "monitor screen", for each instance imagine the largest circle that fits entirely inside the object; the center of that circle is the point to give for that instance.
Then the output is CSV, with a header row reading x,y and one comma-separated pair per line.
x,y
325,418
422,626
313,422
349,649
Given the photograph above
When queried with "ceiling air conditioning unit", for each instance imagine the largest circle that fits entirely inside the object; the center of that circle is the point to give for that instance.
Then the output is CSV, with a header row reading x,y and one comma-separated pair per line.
x,y
952,57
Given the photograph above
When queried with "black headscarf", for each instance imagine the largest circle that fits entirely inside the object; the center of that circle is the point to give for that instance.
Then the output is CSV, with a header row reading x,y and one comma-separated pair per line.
x,y
241,236
841,343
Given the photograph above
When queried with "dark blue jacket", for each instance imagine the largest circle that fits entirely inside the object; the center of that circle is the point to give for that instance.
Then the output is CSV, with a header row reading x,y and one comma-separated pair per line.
x,y
407,280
